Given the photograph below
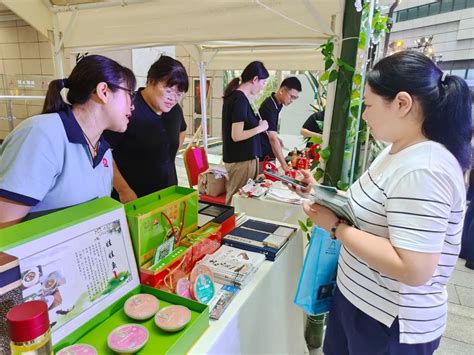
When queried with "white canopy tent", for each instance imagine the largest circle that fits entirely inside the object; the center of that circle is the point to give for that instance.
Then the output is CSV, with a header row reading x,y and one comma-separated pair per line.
x,y
218,34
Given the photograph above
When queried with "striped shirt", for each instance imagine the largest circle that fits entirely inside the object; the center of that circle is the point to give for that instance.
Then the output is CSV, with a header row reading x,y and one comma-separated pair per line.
x,y
415,198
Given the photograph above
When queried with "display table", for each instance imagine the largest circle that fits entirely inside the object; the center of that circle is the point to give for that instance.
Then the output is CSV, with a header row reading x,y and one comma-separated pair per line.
x,y
270,209
262,317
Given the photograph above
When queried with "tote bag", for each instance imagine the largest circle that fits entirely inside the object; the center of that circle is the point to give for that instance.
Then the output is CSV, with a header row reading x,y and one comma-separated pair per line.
x,y
318,276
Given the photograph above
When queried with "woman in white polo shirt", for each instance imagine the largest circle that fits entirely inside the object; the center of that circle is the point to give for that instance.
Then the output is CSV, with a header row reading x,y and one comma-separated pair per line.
x,y
59,158
391,293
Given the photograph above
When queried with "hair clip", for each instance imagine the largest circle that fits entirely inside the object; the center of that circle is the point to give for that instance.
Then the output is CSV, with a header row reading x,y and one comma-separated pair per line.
x,y
443,77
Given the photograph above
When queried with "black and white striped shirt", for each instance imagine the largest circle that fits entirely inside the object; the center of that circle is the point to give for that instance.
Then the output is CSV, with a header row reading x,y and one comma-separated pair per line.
x,y
416,199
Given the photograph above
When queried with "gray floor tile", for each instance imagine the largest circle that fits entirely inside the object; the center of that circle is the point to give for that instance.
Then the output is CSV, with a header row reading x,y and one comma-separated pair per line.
x,y
453,295
453,347
460,328
460,265
466,296
462,311
462,278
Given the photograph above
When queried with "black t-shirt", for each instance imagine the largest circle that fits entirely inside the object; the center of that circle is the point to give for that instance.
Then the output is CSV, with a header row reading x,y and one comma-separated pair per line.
x,y
237,108
145,153
312,124
269,111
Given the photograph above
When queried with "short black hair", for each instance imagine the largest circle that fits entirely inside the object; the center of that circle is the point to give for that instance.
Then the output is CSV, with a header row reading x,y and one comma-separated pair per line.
x,y
292,82
170,71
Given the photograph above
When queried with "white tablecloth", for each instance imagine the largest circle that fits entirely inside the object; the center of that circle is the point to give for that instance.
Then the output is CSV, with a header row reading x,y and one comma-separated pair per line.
x,y
262,319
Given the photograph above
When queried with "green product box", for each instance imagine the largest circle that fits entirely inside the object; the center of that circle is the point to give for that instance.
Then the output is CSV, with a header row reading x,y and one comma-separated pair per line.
x,y
153,217
80,262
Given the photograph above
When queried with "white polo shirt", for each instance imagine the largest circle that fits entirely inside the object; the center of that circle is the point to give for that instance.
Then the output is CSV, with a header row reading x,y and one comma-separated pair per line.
x,y
45,163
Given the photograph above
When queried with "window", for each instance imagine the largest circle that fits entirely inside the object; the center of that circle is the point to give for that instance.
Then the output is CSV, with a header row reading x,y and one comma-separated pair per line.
x,y
446,6
470,74
402,15
412,13
470,3
423,10
434,8
459,72
459,5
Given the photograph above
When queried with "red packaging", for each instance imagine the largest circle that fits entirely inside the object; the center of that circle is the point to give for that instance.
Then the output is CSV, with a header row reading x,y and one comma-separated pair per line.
x,y
206,240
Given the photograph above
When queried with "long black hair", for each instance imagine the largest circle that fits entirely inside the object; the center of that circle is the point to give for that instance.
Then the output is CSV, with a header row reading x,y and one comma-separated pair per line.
x,y
170,71
444,99
88,72
252,70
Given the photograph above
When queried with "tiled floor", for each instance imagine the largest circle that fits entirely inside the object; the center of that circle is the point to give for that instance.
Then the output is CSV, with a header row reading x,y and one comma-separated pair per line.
x,y
459,336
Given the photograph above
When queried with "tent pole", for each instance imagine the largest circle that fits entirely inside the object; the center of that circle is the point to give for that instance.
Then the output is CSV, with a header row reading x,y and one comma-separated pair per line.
x,y
202,82
58,50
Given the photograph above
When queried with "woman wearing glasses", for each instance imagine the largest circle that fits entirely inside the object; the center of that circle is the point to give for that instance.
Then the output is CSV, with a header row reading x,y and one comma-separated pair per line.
x,y
241,127
60,158
144,156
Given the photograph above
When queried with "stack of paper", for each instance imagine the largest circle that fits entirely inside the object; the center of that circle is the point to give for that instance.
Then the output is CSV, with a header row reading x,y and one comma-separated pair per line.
x,y
233,266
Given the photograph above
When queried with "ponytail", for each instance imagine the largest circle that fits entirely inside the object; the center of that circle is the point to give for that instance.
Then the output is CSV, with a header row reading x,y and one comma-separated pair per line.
x,y
88,72
445,99
231,87
449,120
252,70
53,101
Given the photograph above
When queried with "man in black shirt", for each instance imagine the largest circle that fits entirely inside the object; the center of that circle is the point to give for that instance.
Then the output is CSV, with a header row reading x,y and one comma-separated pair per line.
x,y
311,127
270,110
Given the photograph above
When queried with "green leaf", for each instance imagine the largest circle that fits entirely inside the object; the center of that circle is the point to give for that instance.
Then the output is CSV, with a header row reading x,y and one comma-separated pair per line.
x,y
316,140
325,153
342,185
330,46
333,75
319,173
309,222
345,65
362,38
328,63
303,226
357,79
324,76
355,94
355,110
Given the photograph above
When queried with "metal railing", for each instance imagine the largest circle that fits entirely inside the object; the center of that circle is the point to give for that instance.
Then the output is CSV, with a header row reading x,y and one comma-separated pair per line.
x,y
10,99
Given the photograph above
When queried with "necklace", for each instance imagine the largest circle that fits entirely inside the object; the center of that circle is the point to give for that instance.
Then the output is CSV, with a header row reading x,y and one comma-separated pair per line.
x,y
93,147
276,106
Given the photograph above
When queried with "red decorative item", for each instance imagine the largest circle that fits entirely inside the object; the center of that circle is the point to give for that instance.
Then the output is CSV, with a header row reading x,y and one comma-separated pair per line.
x,y
291,173
268,165
314,151
303,163
28,321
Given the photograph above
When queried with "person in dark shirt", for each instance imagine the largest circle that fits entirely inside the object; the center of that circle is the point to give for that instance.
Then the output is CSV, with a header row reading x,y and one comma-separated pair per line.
x,y
311,127
269,111
144,156
241,127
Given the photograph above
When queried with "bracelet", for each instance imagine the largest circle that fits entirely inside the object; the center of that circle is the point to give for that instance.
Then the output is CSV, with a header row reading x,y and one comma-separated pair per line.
x,y
334,228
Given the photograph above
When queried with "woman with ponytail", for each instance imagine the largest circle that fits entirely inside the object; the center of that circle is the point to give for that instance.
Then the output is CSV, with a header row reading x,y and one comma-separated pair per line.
x,y
59,158
391,295
241,127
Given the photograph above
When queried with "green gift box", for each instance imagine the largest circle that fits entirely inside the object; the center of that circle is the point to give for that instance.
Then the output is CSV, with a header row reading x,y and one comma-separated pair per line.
x,y
80,262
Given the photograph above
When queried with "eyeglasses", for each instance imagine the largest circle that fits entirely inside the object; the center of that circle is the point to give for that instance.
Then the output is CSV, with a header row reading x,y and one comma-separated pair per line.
x,y
172,94
131,93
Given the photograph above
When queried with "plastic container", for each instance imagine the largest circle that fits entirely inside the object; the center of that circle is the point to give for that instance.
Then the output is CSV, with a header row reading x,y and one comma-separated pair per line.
x,y
28,328
78,349
203,288
141,306
128,338
172,318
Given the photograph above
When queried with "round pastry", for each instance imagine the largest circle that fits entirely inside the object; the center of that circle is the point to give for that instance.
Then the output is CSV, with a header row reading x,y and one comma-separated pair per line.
x,y
141,306
78,349
172,318
203,288
128,338
183,288
200,269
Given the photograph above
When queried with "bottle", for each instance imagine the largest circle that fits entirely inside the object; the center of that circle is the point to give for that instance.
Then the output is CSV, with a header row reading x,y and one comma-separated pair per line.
x,y
10,295
294,158
28,329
